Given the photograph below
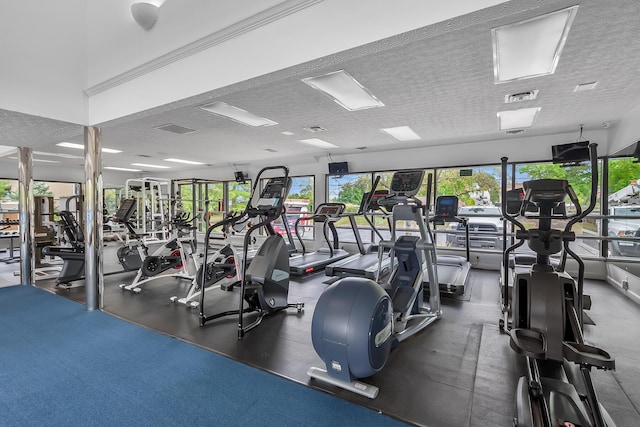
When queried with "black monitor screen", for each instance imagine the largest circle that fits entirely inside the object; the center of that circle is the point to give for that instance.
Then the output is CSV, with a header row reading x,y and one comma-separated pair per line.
x,y
338,168
571,153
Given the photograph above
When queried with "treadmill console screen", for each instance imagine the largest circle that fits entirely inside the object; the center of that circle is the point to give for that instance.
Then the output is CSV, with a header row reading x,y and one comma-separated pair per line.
x,y
274,192
446,206
407,182
331,211
126,210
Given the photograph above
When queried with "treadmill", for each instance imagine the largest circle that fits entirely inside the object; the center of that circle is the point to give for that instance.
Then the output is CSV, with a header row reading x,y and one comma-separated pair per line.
x,y
365,263
453,270
309,262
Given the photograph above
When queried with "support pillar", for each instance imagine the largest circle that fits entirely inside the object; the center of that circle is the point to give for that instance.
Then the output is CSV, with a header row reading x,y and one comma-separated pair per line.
x,y
93,216
25,215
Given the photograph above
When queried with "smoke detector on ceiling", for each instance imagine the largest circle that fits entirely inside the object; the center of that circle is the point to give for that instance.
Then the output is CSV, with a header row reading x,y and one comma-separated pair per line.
x,y
515,132
529,95
315,129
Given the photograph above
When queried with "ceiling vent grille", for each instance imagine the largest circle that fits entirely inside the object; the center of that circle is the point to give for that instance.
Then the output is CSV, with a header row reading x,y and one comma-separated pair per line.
x,y
315,129
521,97
270,150
515,132
180,130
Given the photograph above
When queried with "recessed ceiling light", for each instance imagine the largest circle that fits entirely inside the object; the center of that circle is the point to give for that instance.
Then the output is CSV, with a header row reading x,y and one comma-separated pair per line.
x,y
317,142
287,132
530,48
585,86
36,160
344,90
517,119
122,169
187,162
145,165
237,114
63,155
5,149
81,147
402,133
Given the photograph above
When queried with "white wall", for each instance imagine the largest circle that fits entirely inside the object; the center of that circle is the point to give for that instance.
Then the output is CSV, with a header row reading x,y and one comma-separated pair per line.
x,y
44,68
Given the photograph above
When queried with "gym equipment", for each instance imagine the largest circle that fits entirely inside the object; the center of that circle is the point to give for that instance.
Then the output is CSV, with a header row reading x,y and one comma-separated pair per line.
x,y
327,214
265,282
453,270
152,197
170,256
356,321
73,256
365,262
224,269
546,311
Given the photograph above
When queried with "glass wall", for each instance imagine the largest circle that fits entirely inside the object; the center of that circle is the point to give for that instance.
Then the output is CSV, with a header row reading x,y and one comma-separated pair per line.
x,y
623,200
478,192
349,189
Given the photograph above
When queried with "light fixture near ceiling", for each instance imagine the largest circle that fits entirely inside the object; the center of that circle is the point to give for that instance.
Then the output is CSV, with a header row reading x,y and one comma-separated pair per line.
x,y
344,90
146,165
186,162
317,142
237,114
517,119
402,133
81,147
115,168
530,48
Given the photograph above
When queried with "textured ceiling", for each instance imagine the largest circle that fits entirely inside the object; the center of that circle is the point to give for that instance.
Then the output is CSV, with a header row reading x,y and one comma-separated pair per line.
x,y
438,80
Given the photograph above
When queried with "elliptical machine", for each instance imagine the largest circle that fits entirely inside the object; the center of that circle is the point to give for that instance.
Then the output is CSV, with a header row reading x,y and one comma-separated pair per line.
x,y
265,282
546,310
357,322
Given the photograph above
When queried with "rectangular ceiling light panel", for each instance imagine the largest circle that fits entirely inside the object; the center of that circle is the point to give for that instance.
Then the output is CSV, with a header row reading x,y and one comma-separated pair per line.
x,y
186,162
81,147
344,90
530,48
402,133
517,119
146,165
317,142
122,169
237,114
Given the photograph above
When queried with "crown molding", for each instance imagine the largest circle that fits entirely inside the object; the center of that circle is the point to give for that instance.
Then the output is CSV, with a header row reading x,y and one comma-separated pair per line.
x,y
246,25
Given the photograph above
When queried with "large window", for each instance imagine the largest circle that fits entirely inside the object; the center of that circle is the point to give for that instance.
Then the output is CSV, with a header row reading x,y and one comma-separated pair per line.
x,y
478,192
579,177
349,189
623,198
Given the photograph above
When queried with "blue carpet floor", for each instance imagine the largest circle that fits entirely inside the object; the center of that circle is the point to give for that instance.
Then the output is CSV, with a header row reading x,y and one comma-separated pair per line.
x,y
63,366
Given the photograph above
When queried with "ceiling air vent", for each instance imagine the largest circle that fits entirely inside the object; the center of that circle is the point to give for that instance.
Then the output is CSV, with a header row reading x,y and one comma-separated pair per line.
x,y
515,132
315,129
270,150
521,97
361,148
180,130
144,155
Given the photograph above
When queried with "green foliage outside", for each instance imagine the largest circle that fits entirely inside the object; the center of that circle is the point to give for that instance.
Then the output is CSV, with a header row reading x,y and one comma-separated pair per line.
x,y
450,183
621,172
39,189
